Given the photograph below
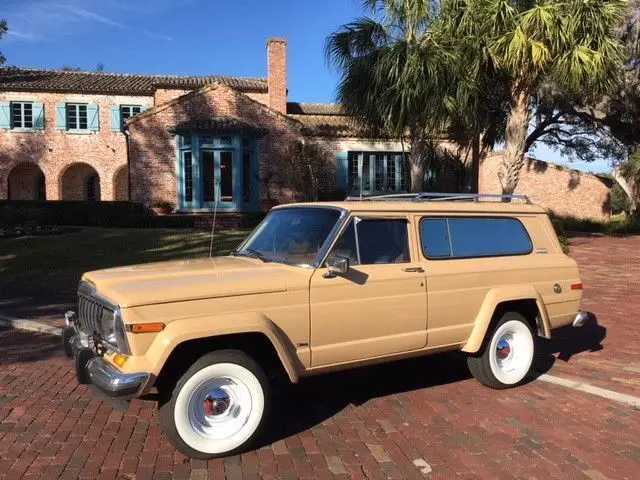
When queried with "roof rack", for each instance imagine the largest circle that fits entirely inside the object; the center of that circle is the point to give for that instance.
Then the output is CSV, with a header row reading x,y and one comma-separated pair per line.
x,y
443,197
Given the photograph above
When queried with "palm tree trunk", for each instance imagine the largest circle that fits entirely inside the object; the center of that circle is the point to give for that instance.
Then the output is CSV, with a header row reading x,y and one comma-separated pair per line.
x,y
475,164
416,160
515,138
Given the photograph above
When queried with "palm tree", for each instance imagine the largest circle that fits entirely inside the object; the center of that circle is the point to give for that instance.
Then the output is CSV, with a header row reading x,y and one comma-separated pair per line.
x,y
570,44
396,76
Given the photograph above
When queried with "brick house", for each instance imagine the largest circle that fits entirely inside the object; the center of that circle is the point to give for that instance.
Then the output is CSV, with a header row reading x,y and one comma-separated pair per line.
x,y
202,142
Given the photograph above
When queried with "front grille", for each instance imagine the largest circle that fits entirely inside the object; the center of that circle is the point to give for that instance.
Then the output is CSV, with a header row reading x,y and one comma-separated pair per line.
x,y
90,311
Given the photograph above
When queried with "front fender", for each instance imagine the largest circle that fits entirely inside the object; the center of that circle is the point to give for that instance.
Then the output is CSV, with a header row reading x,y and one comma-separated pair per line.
x,y
495,297
179,331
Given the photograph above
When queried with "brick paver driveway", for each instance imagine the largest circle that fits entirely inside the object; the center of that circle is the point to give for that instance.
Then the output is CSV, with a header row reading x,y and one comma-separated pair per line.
x,y
412,419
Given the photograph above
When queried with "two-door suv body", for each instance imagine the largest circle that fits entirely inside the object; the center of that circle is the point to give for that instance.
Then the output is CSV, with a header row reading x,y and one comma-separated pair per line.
x,y
319,287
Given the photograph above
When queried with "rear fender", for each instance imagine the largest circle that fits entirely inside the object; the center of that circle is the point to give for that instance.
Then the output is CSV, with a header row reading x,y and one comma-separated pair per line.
x,y
492,300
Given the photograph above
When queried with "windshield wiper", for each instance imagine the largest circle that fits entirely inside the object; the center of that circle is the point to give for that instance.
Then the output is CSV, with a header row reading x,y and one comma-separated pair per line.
x,y
250,252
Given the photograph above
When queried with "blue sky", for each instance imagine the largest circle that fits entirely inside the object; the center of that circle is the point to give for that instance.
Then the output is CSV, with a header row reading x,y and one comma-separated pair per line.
x,y
187,37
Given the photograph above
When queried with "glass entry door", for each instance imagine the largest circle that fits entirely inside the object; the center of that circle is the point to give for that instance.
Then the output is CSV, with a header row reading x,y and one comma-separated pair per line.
x,y
219,170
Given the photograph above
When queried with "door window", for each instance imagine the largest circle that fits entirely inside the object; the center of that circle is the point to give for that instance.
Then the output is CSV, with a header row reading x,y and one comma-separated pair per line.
x,y
226,176
374,241
208,176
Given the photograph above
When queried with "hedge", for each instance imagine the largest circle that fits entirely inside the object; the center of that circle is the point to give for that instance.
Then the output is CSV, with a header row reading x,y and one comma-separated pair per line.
x,y
76,213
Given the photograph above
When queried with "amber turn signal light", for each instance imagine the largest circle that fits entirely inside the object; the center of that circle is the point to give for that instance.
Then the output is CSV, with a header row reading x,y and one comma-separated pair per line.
x,y
576,286
147,327
119,359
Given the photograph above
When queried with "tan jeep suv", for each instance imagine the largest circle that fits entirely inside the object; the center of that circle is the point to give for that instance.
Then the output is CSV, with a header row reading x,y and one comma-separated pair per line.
x,y
319,287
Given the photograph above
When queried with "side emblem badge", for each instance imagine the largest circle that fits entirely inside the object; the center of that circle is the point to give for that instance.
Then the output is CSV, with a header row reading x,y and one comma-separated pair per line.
x,y
557,288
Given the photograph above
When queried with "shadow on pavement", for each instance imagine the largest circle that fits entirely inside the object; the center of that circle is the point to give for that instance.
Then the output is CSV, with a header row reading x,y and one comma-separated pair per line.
x,y
297,408
21,346
569,341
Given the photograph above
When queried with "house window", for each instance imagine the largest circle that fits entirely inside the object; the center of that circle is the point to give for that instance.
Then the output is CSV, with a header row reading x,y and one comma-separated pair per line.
x,y
376,173
21,115
128,111
77,116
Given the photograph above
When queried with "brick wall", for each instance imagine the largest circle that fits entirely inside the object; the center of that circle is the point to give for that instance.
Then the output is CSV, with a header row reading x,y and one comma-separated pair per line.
x,y
562,190
54,151
153,150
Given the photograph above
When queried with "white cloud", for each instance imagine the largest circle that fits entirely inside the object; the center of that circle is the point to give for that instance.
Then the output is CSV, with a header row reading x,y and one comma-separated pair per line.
x,y
36,20
89,15
29,37
157,36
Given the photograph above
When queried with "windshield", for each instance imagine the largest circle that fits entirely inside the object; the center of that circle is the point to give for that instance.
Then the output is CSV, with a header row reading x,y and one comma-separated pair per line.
x,y
290,235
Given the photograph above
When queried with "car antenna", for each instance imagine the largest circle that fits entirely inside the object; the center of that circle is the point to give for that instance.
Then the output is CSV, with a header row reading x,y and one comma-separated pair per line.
x,y
213,229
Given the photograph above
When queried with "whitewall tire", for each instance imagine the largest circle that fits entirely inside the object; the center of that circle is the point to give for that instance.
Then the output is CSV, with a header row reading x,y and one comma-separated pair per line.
x,y
508,353
218,407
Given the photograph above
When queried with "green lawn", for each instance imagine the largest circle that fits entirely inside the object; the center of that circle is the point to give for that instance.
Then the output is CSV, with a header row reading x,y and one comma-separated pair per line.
x,y
46,269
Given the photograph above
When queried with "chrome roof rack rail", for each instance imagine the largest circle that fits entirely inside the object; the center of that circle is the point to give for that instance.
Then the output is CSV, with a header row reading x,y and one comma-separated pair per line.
x,y
443,197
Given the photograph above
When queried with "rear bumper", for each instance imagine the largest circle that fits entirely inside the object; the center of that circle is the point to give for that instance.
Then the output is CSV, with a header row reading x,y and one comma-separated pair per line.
x,y
581,319
95,370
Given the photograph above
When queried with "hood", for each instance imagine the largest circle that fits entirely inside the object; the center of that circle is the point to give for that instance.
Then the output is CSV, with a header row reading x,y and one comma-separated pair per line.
x,y
183,280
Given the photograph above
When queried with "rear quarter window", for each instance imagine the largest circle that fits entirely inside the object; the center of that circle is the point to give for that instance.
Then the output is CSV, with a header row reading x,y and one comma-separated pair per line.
x,y
470,237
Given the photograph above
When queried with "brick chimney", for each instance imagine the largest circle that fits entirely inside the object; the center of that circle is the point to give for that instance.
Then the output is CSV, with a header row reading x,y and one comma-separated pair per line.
x,y
277,73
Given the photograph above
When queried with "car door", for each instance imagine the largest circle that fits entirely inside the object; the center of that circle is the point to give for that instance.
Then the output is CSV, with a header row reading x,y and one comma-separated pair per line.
x,y
379,306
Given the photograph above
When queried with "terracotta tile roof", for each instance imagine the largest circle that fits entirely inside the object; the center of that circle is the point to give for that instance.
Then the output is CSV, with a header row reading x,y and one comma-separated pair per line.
x,y
22,79
297,108
326,120
221,124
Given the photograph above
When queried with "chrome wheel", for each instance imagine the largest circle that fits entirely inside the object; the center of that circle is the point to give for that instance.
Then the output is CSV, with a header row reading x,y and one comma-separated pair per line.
x,y
511,352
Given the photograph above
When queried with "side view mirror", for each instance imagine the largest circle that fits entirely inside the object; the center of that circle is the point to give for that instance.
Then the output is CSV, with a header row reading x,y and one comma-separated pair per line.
x,y
337,265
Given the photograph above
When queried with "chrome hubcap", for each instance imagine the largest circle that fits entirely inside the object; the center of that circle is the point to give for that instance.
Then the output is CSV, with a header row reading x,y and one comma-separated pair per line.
x,y
503,349
219,407
216,402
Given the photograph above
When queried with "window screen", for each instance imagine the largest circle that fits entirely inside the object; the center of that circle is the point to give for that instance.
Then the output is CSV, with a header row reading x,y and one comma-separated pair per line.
x,y
368,242
474,237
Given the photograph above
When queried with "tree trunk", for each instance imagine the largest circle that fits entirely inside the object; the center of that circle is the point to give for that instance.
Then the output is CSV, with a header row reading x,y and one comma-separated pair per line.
x,y
474,184
515,139
629,188
416,160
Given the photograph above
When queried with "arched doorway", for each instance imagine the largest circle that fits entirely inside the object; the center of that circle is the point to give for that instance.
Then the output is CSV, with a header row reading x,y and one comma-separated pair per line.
x,y
121,184
26,182
80,181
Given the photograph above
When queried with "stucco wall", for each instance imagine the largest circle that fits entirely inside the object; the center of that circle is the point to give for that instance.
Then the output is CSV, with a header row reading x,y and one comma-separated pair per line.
x,y
559,189
55,150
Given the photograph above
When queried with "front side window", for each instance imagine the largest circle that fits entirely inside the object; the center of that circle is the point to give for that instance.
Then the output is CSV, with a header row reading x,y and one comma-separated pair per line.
x,y
128,111
77,116
290,235
21,115
459,237
374,241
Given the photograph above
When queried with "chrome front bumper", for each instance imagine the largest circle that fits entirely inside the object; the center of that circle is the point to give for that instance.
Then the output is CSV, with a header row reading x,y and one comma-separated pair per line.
x,y
114,383
95,370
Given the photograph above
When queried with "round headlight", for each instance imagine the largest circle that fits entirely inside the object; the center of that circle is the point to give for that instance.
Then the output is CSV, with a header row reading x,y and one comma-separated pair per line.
x,y
108,326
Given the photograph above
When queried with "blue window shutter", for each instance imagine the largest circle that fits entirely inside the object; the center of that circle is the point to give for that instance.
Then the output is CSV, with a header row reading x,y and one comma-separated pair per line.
x,y
342,170
93,117
5,115
61,116
116,124
38,116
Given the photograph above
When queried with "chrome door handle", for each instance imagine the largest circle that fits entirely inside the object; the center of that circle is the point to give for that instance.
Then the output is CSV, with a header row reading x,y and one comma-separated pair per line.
x,y
413,270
